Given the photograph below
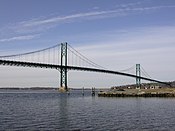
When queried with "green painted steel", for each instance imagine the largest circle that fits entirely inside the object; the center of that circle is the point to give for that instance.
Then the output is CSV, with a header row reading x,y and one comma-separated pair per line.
x,y
52,66
138,80
63,70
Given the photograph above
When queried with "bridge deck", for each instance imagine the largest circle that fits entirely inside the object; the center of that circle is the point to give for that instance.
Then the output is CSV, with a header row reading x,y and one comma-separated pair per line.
x,y
52,66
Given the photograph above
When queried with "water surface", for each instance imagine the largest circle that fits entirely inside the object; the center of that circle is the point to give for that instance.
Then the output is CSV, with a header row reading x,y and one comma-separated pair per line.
x,y
50,110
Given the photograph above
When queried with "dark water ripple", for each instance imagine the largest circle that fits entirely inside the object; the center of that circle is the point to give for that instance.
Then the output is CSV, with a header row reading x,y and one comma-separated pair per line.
x,y
50,110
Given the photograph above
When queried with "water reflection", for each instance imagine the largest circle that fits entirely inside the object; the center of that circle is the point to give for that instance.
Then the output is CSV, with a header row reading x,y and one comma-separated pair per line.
x,y
63,111
138,113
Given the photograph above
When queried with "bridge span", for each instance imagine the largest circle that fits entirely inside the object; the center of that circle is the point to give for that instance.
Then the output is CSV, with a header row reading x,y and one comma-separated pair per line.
x,y
58,67
53,59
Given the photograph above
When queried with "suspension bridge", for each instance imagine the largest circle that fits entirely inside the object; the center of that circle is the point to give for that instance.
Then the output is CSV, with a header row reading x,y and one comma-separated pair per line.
x,y
64,57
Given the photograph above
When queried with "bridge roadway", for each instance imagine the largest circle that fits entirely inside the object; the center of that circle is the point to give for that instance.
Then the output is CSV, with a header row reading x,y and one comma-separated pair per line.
x,y
51,66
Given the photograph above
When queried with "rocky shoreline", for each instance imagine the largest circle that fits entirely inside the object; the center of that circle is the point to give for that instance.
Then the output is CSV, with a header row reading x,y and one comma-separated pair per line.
x,y
168,92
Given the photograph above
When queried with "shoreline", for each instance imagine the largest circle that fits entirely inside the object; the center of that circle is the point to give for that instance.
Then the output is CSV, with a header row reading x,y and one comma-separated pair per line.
x,y
166,92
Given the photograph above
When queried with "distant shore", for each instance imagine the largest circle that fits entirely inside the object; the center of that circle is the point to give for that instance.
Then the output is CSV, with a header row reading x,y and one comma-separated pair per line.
x,y
45,88
28,88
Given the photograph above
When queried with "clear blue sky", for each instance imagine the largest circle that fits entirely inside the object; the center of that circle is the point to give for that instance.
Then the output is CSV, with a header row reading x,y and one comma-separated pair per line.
x,y
115,33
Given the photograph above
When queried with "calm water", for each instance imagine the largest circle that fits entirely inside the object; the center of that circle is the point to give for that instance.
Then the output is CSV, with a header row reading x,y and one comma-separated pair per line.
x,y
50,110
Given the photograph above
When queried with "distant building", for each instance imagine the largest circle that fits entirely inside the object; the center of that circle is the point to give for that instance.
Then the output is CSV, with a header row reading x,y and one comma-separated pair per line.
x,y
154,86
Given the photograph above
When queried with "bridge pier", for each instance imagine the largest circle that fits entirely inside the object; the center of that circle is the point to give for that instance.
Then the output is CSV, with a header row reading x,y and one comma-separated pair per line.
x,y
93,91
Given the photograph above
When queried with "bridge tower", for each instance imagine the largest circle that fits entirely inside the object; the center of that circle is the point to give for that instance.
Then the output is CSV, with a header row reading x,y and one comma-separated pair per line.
x,y
138,73
63,70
